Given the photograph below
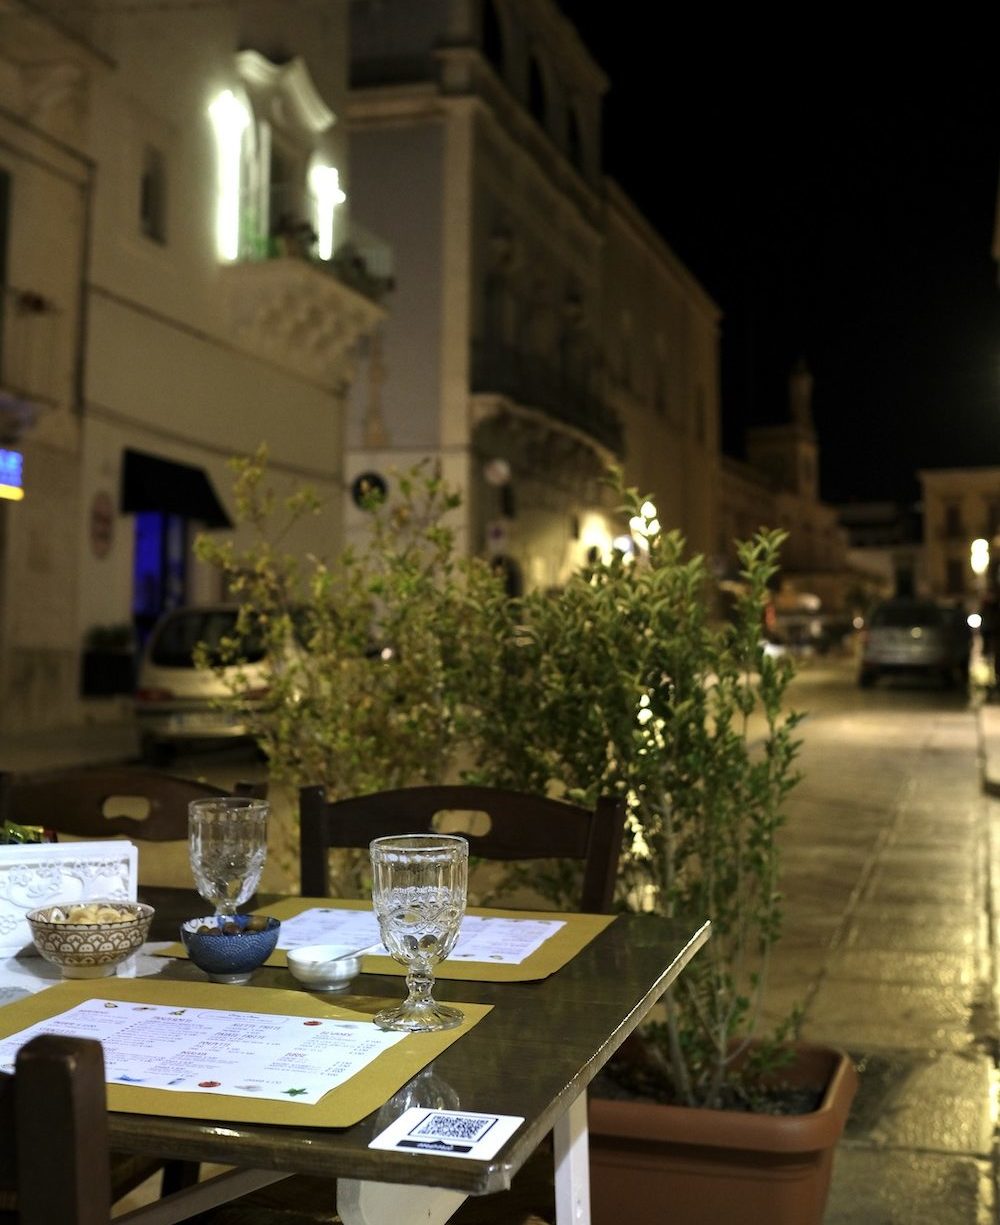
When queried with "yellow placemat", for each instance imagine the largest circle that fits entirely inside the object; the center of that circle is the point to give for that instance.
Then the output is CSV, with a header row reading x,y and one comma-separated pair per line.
x,y
341,1107
576,933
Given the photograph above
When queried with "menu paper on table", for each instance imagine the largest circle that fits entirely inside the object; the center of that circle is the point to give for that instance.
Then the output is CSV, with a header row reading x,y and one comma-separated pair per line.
x,y
377,1077
505,941
211,1050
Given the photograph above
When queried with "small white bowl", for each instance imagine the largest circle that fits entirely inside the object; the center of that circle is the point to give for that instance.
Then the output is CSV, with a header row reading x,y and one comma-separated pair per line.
x,y
323,967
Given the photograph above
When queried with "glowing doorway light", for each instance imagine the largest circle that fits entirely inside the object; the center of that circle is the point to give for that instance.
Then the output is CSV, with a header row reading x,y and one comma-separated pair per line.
x,y
325,182
11,475
230,119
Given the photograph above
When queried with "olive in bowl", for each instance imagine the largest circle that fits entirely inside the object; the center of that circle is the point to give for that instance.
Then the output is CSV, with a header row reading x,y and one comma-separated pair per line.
x,y
230,948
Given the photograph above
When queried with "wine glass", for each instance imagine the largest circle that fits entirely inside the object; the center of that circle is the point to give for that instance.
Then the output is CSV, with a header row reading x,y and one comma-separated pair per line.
x,y
419,888
227,846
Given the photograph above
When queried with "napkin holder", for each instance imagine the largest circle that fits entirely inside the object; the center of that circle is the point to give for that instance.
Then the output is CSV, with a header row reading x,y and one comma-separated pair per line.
x,y
40,874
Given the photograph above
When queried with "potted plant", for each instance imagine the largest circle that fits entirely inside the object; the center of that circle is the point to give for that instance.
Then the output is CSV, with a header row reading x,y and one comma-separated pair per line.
x,y
369,692
637,677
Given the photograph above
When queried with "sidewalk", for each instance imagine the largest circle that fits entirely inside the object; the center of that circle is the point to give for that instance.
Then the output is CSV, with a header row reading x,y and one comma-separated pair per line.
x,y
99,743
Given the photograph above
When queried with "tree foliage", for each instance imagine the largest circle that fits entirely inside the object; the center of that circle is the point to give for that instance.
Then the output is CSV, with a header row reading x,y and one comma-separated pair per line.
x,y
628,680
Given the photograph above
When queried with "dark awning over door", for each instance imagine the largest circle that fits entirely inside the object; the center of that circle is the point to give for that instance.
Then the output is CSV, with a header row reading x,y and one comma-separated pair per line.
x,y
152,483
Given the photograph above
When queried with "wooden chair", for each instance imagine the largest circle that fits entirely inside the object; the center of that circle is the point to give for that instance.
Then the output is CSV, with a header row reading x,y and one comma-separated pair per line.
x,y
54,1160
106,801
518,827
111,801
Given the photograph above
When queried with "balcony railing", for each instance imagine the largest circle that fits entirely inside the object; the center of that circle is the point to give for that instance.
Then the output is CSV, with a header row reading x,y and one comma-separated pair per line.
x,y
283,225
534,382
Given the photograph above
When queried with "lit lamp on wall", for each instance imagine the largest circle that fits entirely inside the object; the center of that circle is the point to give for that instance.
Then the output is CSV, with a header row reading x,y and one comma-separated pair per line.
x,y
979,558
230,118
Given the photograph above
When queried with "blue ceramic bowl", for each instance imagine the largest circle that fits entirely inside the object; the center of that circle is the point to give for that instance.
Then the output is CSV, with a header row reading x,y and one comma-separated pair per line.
x,y
229,956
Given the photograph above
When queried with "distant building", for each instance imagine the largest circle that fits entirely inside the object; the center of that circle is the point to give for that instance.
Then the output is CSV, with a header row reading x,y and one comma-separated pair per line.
x,y
778,487
541,328
885,541
960,505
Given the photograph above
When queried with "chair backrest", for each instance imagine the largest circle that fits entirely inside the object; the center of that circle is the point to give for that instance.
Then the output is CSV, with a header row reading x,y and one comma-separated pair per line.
x,y
520,827
95,802
53,1117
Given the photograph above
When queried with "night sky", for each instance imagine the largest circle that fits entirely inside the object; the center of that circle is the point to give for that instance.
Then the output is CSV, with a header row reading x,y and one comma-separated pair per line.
x,y
839,206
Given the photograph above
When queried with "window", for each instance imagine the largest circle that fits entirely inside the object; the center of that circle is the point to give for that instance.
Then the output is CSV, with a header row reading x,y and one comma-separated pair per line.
x,y
153,195
493,44
574,142
4,215
954,576
537,101
952,519
700,420
276,195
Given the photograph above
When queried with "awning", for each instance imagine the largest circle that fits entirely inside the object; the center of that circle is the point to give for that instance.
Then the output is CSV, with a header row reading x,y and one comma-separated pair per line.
x,y
152,483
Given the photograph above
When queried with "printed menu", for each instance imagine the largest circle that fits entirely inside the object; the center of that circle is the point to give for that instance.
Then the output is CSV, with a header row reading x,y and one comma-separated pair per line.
x,y
208,1050
501,941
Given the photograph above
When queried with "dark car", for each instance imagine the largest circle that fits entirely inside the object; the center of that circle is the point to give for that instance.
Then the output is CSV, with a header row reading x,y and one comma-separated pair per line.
x,y
917,637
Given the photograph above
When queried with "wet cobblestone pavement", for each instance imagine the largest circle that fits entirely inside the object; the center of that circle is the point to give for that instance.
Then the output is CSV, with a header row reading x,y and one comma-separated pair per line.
x,y
889,883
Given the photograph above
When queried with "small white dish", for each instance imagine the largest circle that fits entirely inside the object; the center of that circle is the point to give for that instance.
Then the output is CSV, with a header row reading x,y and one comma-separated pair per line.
x,y
325,967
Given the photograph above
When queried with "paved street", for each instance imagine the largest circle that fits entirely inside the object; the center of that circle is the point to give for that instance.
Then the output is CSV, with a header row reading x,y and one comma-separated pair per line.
x,y
888,942
891,870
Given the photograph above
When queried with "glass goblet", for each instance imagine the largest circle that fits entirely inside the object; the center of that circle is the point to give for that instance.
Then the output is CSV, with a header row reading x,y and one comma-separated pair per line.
x,y
227,846
419,890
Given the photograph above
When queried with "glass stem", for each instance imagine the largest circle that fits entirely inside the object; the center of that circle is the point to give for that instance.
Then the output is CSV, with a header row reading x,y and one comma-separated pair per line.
x,y
419,982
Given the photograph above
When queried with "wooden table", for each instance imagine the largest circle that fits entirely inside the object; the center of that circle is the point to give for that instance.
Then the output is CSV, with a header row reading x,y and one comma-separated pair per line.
x,y
533,1056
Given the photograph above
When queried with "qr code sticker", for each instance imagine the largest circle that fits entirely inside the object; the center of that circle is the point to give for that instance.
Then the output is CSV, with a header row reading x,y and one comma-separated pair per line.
x,y
447,1126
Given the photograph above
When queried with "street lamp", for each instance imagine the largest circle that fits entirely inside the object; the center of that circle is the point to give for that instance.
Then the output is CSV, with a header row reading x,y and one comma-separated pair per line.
x,y
979,556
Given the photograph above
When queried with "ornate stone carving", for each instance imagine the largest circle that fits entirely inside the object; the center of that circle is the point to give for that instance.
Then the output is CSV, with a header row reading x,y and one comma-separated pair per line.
x,y
300,316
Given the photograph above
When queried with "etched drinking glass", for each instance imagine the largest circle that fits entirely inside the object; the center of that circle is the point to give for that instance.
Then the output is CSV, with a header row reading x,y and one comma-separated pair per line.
x,y
419,888
227,846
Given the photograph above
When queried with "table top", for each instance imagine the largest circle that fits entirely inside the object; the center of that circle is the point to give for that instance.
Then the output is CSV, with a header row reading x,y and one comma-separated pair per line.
x,y
531,1056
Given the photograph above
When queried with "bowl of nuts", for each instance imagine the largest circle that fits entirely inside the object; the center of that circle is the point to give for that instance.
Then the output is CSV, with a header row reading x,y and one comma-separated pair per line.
x,y
230,947
89,939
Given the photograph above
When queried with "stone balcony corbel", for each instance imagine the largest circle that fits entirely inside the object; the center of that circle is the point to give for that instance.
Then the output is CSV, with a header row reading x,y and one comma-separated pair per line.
x,y
299,315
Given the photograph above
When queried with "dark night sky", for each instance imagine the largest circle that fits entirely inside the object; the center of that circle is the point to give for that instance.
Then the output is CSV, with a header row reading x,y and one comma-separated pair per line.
x,y
838,205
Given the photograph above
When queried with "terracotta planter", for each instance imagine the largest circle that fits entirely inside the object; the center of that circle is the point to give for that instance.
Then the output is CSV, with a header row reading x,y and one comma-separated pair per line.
x,y
651,1163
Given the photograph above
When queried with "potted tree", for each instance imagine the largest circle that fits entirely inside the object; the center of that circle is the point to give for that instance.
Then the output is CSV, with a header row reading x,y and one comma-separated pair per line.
x,y
635,678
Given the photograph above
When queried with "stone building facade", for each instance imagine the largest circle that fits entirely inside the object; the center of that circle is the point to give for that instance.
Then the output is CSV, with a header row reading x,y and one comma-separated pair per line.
x,y
174,230
540,330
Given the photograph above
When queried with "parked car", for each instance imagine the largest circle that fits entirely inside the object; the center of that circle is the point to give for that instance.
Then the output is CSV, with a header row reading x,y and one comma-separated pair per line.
x,y
915,636
174,701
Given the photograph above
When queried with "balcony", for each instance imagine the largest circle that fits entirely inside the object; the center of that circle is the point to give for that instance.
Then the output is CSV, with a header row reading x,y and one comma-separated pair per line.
x,y
29,334
534,382
302,311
